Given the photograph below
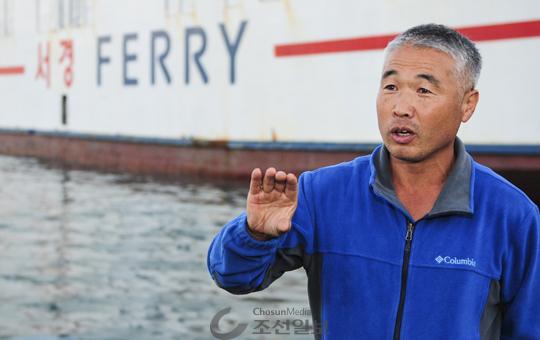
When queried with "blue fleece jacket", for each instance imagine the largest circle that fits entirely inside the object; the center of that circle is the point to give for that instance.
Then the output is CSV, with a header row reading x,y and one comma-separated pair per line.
x,y
469,269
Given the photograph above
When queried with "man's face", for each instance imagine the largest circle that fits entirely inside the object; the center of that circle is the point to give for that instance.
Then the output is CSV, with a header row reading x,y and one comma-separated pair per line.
x,y
420,104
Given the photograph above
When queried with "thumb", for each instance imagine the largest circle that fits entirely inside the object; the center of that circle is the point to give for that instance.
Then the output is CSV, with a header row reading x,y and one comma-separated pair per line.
x,y
283,225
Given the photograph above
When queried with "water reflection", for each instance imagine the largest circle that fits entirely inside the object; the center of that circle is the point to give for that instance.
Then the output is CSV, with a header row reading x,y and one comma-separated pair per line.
x,y
90,255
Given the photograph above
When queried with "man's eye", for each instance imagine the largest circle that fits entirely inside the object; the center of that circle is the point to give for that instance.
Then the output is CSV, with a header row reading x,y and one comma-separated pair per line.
x,y
423,90
390,87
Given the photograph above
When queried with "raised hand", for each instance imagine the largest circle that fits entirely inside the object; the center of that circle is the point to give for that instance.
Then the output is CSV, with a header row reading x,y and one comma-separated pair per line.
x,y
271,203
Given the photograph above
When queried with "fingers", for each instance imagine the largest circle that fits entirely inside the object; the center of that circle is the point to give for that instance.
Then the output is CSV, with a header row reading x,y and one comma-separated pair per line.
x,y
269,180
291,188
255,184
273,180
280,181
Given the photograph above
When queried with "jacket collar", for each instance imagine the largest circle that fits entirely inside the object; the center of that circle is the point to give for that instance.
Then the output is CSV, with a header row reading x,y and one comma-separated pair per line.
x,y
456,194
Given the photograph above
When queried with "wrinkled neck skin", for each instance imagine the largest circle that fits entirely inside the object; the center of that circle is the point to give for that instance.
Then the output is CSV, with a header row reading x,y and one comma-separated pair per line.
x,y
430,173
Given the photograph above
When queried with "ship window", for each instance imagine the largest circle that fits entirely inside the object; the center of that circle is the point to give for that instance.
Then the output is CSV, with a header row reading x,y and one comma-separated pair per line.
x,y
6,18
69,14
64,110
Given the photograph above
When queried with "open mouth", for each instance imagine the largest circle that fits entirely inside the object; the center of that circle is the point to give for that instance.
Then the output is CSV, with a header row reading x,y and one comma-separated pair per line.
x,y
402,131
402,135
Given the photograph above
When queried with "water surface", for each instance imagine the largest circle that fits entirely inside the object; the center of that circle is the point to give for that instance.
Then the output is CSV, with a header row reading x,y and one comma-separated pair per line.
x,y
88,255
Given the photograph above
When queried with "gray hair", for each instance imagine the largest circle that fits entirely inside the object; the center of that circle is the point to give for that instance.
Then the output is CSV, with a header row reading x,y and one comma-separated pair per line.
x,y
442,38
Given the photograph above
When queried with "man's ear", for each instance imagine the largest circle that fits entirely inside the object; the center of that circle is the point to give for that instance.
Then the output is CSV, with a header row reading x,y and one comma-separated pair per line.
x,y
468,106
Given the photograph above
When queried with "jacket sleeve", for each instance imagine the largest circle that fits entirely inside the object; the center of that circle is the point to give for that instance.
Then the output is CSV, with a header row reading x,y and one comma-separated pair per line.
x,y
521,282
241,264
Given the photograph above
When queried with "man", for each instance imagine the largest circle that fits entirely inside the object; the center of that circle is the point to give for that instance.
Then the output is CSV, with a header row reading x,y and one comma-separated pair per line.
x,y
415,241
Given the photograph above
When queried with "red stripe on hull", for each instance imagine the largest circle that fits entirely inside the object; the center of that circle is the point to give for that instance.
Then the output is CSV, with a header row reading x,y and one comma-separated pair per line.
x,y
12,70
514,30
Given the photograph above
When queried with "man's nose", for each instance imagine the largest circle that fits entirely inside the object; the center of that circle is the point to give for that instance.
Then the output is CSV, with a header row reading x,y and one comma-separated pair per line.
x,y
403,106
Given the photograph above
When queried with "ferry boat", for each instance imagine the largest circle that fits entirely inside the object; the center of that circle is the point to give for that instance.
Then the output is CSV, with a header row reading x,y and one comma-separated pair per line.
x,y
218,87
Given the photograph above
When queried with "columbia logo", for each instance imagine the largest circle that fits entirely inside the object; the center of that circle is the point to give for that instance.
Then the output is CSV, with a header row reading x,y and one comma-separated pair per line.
x,y
454,260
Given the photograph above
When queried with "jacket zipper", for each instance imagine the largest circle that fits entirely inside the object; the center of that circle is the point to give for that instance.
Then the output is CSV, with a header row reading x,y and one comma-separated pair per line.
x,y
404,274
